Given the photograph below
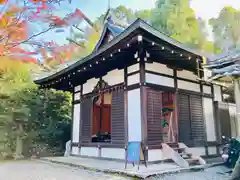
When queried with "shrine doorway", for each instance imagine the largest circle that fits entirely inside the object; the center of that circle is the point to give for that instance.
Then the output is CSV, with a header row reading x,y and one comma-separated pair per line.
x,y
161,117
101,114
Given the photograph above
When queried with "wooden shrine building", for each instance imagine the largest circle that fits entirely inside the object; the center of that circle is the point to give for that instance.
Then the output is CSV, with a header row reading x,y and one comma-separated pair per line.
x,y
139,85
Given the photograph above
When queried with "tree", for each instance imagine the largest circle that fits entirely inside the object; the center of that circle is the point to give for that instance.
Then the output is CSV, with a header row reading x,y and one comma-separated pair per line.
x,y
13,112
226,29
28,114
20,31
176,19
144,15
49,117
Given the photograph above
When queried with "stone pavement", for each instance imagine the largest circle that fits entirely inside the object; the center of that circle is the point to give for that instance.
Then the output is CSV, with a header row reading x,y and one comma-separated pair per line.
x,y
33,170
213,173
119,167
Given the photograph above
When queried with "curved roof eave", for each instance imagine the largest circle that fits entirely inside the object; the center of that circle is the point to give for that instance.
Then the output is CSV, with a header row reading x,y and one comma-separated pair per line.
x,y
139,23
122,35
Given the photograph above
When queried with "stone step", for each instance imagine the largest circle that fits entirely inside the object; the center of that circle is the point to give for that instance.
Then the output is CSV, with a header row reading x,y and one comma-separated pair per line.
x,y
179,150
185,155
172,145
192,161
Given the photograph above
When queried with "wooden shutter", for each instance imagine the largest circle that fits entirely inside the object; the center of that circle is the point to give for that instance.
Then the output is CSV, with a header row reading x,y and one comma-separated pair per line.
x,y
117,118
197,121
191,122
86,117
154,117
184,119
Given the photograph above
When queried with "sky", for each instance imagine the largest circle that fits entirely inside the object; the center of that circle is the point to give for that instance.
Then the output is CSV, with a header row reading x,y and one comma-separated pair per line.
x,y
204,9
207,9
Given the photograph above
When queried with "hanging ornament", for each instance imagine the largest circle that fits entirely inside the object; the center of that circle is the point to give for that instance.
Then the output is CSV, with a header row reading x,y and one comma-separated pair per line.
x,y
166,109
164,123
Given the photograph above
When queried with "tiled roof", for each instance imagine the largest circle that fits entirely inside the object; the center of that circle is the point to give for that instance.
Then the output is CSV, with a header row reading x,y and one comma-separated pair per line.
x,y
226,64
114,29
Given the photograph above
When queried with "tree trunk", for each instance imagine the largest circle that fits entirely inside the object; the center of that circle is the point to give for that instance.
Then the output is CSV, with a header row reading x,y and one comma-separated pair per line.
x,y
19,143
236,171
237,99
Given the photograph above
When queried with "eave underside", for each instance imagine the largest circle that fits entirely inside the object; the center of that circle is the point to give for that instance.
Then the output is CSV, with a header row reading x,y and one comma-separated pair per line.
x,y
121,55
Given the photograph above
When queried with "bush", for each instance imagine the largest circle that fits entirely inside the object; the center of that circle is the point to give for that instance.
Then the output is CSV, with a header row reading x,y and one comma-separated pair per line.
x,y
45,116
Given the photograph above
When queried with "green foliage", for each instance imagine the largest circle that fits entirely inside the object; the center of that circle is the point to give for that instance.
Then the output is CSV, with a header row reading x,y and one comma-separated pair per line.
x,y
226,28
124,13
176,19
50,116
45,115
144,15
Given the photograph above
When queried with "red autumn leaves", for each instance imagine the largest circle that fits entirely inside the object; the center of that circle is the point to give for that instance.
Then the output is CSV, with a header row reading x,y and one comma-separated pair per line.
x,y
15,30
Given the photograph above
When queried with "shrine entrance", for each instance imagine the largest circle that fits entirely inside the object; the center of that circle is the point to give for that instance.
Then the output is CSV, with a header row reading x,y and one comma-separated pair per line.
x,y
161,117
101,114
168,123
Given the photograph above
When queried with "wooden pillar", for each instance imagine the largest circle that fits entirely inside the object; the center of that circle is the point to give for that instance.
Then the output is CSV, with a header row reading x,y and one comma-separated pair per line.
x,y
72,116
143,101
237,99
80,123
126,106
143,98
176,106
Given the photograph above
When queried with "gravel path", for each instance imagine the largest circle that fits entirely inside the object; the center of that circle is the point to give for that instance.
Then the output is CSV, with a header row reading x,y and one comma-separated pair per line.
x,y
32,170
215,173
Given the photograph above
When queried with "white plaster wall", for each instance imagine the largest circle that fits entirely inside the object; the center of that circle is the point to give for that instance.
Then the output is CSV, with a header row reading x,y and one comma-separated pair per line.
x,y
207,89
207,74
217,93
77,96
133,68
233,119
89,85
187,75
76,123
113,153
155,155
133,79
75,150
159,80
89,151
209,119
77,88
114,77
134,116
160,68
212,150
188,86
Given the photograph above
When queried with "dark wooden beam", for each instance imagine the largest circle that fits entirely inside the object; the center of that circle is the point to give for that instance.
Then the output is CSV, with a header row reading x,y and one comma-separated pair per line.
x,y
126,106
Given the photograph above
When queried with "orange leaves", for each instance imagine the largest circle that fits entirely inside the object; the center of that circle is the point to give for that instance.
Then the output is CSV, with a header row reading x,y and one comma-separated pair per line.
x,y
3,1
73,18
18,32
9,16
12,10
2,47
16,22
3,22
